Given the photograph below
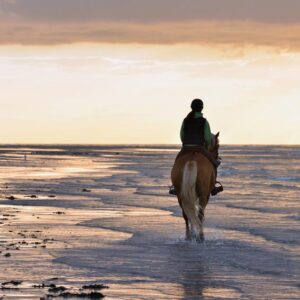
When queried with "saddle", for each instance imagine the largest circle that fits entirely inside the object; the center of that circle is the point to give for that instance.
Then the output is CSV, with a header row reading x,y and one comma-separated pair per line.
x,y
199,149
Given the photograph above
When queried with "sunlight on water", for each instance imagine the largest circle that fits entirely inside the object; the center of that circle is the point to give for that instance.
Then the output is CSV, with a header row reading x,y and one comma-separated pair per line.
x,y
103,215
220,293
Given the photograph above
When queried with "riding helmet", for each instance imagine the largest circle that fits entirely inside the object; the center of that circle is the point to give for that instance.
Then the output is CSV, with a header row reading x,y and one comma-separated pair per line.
x,y
197,105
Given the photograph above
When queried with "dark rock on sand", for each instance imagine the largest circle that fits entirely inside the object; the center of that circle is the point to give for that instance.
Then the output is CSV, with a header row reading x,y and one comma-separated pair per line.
x,y
86,190
13,282
11,198
57,289
48,240
3,288
93,295
43,285
95,287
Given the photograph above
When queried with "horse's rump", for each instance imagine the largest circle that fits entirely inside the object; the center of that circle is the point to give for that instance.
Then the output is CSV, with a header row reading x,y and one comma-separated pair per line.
x,y
206,172
189,196
193,176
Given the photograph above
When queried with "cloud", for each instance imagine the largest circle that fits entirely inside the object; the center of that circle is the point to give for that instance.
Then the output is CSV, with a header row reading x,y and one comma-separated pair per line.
x,y
205,33
154,10
273,23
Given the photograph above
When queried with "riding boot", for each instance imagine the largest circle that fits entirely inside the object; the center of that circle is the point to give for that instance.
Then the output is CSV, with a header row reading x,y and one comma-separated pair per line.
x,y
217,189
172,190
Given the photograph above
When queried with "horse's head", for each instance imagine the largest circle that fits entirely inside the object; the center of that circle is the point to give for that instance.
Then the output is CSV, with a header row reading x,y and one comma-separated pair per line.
x,y
214,148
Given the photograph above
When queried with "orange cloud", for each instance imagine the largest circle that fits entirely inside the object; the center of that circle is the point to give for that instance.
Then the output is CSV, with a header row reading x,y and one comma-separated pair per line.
x,y
238,34
272,23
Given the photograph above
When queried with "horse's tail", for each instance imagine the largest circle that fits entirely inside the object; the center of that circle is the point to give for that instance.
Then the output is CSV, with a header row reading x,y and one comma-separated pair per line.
x,y
189,197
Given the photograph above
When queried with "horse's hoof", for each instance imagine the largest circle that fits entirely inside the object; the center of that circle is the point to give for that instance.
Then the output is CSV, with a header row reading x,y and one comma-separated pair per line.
x,y
201,238
188,238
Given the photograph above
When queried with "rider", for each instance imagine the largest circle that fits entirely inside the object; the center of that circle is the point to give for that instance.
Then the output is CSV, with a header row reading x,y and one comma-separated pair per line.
x,y
195,132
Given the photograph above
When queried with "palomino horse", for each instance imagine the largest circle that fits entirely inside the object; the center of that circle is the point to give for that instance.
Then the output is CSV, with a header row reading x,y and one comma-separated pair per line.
x,y
194,176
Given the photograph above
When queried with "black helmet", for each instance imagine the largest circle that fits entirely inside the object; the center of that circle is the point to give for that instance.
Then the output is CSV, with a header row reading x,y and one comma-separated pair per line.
x,y
197,105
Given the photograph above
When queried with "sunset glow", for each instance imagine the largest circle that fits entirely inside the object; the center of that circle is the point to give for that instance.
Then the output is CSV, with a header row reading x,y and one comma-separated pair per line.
x,y
135,83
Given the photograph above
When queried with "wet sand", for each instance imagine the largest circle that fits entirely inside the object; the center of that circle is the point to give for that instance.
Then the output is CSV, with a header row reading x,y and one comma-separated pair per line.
x,y
76,216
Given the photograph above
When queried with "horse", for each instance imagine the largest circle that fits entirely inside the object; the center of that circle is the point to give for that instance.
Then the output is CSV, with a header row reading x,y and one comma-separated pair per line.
x,y
193,176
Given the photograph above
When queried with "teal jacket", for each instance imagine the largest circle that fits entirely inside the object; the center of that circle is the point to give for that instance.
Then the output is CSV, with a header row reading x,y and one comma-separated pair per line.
x,y
207,132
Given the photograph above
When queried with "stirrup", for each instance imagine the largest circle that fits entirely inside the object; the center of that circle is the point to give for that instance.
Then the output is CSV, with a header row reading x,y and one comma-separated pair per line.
x,y
217,189
172,190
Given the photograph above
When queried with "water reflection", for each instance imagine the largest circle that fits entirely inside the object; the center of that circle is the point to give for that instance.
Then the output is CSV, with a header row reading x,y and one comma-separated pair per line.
x,y
113,221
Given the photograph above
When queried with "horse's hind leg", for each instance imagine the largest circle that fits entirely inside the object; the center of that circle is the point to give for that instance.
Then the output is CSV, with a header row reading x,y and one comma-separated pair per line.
x,y
201,218
188,235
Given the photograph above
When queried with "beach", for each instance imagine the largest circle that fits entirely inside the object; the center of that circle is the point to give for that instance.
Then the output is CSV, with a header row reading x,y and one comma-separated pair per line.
x,y
77,216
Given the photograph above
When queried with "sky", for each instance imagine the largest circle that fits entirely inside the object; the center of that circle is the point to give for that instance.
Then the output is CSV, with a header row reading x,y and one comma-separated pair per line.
x,y
126,71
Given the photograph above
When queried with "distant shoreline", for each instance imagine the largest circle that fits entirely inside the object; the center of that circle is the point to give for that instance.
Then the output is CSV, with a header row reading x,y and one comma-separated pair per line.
x,y
137,145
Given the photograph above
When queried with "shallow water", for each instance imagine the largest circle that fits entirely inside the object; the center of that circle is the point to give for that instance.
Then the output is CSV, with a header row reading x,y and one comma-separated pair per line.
x,y
125,231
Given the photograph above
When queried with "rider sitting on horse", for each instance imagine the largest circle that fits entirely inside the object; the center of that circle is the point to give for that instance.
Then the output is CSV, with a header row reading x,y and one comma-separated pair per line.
x,y
196,136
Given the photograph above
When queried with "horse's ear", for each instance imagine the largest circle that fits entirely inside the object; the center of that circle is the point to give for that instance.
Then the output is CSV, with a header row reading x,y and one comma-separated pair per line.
x,y
217,135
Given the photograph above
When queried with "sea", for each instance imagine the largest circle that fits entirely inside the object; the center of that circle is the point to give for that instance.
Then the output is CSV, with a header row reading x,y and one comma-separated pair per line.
x,y
109,218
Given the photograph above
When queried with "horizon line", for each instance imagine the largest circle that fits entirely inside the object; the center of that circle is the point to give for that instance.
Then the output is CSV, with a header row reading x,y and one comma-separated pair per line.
x,y
132,144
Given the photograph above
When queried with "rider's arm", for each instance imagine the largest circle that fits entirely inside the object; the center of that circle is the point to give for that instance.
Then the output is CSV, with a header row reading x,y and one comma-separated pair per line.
x,y
207,134
182,131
